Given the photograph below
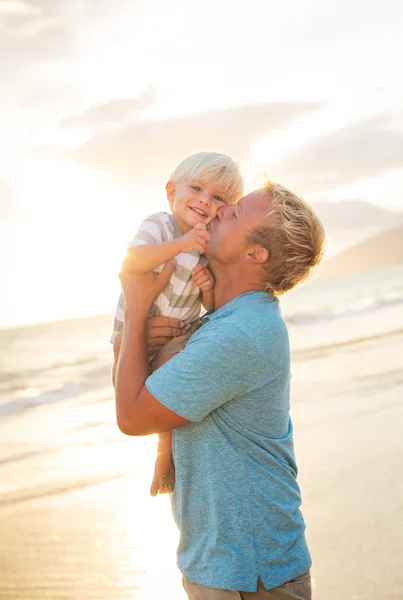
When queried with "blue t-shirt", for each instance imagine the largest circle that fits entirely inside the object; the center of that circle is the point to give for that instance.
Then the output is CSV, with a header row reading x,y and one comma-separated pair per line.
x,y
236,499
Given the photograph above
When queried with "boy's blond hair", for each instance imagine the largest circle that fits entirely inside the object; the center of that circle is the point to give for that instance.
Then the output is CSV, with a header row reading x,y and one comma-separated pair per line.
x,y
207,166
294,238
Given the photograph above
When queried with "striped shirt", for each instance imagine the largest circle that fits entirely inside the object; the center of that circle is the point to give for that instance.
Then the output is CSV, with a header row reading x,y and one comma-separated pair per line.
x,y
180,298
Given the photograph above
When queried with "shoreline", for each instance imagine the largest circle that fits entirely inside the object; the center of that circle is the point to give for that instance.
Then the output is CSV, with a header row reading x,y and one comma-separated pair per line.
x,y
77,521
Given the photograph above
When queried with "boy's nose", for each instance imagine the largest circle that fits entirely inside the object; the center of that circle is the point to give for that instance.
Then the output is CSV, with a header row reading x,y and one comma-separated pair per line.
x,y
206,199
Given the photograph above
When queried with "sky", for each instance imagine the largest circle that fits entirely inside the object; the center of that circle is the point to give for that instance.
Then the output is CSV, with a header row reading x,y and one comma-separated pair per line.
x,y
100,100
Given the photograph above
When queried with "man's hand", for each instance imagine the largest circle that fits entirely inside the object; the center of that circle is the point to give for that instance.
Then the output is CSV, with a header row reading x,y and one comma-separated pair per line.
x,y
141,290
196,239
160,330
203,278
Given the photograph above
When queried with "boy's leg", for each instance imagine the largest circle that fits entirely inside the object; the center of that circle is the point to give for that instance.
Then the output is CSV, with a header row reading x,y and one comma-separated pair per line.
x,y
164,471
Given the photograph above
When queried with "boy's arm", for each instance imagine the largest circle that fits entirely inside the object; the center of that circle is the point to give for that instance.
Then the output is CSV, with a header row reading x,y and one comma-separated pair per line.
x,y
203,278
148,257
207,298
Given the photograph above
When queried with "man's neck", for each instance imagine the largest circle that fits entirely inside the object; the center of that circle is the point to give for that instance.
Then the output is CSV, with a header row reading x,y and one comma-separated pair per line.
x,y
230,284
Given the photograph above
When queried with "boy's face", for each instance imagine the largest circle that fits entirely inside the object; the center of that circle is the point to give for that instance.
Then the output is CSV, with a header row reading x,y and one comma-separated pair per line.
x,y
193,202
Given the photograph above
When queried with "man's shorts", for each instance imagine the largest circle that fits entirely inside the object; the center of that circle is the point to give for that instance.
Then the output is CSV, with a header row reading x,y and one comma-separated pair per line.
x,y
296,589
174,345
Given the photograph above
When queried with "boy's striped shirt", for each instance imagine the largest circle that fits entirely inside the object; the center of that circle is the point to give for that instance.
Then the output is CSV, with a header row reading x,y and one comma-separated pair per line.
x,y
180,298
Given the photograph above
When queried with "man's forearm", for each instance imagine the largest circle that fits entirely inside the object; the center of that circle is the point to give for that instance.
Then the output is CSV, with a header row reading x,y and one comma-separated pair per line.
x,y
133,368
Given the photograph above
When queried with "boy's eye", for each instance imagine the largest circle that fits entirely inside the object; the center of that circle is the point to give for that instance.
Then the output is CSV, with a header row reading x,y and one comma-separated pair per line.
x,y
196,188
218,198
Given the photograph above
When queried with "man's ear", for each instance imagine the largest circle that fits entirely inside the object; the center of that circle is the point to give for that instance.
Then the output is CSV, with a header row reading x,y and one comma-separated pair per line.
x,y
171,189
257,255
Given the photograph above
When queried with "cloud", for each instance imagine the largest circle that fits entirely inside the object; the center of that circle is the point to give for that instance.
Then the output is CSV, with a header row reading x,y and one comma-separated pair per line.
x,y
8,198
35,31
115,112
365,149
142,154
51,30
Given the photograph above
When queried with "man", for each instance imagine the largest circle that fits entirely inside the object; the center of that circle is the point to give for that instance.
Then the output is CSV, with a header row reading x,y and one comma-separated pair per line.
x,y
226,396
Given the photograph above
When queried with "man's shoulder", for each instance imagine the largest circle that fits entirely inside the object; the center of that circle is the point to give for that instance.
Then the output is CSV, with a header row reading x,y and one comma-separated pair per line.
x,y
252,311
253,322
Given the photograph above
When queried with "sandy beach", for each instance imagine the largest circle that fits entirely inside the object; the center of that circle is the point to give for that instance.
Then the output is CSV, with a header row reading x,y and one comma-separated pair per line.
x,y
77,523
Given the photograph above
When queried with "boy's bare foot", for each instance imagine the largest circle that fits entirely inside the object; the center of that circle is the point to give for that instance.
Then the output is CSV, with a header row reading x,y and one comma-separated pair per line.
x,y
164,475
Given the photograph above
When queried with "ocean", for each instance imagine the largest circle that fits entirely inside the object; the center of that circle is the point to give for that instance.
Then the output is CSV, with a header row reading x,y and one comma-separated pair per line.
x,y
76,518
51,362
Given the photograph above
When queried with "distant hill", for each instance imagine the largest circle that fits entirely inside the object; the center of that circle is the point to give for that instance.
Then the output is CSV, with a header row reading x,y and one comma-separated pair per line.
x,y
352,213
382,250
349,222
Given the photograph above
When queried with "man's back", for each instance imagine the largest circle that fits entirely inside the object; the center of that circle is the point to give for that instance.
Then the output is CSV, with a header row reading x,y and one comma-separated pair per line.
x,y
236,499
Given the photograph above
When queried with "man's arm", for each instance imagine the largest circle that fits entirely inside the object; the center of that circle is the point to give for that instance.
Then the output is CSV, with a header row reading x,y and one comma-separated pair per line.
x,y
116,351
137,411
159,331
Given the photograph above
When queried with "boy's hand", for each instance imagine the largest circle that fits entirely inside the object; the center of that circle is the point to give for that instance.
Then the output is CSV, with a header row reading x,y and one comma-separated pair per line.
x,y
203,278
196,239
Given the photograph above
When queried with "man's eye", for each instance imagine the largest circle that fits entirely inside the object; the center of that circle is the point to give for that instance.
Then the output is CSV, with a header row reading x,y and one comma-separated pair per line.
x,y
234,214
196,188
218,199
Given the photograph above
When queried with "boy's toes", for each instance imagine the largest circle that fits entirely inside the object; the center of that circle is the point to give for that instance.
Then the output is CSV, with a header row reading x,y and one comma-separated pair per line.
x,y
154,488
167,482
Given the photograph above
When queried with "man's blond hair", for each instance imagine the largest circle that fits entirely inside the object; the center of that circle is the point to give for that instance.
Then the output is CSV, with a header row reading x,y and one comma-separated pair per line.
x,y
294,237
208,166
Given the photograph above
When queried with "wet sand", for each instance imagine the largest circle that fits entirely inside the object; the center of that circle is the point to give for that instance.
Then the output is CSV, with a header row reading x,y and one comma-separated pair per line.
x,y
77,523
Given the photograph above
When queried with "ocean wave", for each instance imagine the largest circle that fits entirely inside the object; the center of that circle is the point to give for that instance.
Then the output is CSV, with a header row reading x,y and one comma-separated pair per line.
x,y
30,397
324,349
348,309
12,376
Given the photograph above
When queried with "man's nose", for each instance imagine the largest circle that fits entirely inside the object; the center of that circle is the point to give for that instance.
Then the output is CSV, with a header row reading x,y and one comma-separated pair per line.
x,y
220,212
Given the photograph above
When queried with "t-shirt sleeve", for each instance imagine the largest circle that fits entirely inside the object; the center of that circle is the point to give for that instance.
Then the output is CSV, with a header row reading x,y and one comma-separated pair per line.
x,y
151,231
216,366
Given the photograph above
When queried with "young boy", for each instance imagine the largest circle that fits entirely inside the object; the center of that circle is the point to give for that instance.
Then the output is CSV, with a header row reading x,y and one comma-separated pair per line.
x,y
196,189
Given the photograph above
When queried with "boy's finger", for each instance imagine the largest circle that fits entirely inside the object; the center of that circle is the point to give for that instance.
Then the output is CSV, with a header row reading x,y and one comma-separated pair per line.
x,y
200,226
201,240
204,234
199,246
202,281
